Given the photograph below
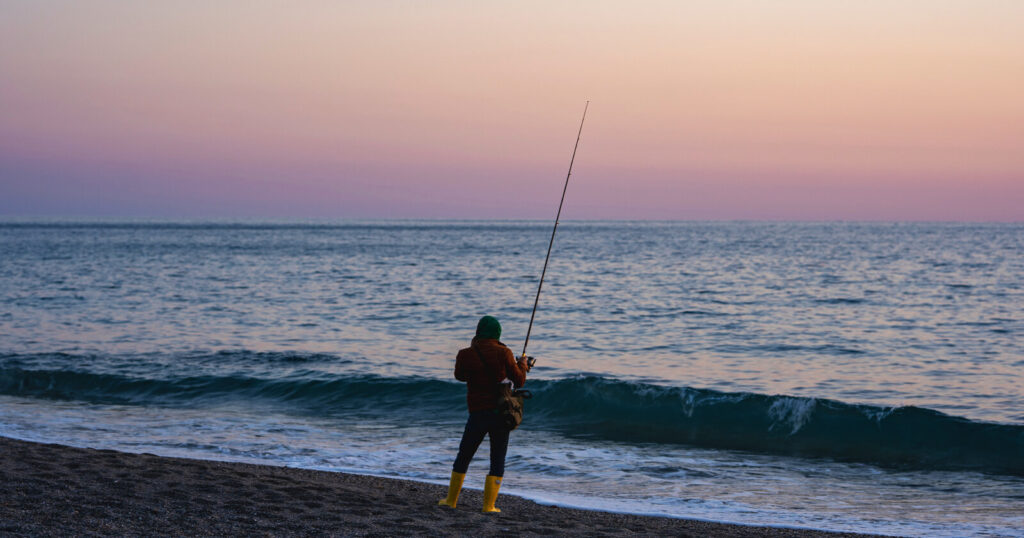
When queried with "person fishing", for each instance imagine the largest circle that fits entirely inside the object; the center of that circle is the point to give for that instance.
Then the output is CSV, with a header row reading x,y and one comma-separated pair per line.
x,y
483,366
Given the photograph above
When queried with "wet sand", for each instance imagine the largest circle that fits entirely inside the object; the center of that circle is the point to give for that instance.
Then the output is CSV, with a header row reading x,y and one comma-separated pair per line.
x,y
54,490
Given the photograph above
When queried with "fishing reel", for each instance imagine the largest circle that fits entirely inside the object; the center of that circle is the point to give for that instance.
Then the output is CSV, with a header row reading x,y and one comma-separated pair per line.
x,y
530,361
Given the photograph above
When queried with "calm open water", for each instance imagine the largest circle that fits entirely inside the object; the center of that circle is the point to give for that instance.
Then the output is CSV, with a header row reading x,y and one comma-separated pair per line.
x,y
828,375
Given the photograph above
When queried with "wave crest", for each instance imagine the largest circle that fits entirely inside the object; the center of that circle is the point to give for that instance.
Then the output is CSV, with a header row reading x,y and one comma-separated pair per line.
x,y
585,406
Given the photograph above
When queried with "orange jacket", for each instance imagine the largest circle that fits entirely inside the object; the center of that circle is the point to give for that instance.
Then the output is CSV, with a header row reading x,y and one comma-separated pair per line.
x,y
481,383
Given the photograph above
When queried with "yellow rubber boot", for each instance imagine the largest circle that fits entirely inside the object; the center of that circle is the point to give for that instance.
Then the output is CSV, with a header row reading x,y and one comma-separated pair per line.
x,y
491,487
454,487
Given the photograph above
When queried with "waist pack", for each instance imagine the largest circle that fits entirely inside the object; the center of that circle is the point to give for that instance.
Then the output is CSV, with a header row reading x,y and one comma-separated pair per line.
x,y
509,402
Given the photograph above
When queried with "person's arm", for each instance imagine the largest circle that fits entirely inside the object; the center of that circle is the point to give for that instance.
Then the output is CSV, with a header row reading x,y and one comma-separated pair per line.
x,y
461,371
516,370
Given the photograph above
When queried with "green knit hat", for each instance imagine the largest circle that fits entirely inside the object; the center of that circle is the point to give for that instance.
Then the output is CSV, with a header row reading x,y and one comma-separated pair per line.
x,y
488,327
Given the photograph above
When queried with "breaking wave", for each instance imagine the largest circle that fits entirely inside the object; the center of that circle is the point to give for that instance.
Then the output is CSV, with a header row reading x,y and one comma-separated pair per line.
x,y
585,406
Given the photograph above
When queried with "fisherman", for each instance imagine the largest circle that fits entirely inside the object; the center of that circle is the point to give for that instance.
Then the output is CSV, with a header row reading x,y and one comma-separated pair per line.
x,y
483,366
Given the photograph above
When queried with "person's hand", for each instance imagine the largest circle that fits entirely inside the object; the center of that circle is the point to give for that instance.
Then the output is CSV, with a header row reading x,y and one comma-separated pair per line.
x,y
523,363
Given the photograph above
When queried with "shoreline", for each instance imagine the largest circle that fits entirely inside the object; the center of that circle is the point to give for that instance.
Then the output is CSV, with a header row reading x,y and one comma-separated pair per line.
x,y
57,490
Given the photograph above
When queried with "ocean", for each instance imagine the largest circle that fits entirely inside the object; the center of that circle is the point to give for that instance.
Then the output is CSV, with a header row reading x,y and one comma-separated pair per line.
x,y
841,376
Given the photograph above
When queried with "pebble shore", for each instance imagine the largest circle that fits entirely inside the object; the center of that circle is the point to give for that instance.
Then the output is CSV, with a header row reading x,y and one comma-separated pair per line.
x,y
54,490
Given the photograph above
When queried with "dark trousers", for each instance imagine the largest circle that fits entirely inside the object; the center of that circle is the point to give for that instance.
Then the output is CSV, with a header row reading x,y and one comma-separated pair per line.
x,y
483,423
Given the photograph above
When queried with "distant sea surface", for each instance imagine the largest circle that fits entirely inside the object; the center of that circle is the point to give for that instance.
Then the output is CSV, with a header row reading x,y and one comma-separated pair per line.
x,y
842,376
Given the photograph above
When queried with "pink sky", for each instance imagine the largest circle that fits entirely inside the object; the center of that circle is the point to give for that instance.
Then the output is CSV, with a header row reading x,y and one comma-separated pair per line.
x,y
816,109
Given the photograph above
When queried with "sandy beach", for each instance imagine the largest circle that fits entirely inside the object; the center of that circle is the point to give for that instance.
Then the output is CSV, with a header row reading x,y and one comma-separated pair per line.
x,y
55,490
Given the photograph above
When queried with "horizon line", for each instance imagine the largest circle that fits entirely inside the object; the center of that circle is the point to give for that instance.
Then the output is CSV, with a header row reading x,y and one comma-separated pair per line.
x,y
89,219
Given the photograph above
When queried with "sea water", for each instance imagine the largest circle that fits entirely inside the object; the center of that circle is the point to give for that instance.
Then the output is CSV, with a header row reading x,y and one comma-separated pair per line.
x,y
842,376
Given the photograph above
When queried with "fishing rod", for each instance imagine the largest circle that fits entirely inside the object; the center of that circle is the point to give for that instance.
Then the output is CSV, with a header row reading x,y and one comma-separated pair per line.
x,y
543,272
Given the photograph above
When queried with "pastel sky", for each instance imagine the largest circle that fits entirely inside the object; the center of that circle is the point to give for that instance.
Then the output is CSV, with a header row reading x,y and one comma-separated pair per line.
x,y
704,109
